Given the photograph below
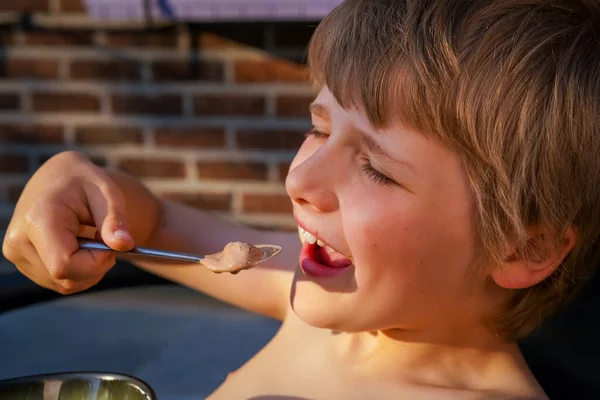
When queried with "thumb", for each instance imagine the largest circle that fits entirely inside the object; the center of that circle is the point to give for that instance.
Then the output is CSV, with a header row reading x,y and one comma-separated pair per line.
x,y
107,206
115,231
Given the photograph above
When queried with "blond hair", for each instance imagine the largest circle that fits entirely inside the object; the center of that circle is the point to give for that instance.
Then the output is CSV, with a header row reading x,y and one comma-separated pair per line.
x,y
514,87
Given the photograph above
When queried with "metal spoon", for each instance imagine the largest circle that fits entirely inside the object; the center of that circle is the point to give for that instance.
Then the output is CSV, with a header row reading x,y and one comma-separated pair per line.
x,y
268,251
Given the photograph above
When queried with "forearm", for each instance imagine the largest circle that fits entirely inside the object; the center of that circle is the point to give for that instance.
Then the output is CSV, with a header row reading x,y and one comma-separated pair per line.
x,y
166,225
263,289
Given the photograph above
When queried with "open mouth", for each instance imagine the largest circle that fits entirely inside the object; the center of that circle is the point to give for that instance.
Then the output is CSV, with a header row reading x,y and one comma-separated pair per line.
x,y
318,258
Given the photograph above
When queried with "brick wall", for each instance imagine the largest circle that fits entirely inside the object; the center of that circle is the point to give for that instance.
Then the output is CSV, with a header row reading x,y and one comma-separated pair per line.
x,y
209,115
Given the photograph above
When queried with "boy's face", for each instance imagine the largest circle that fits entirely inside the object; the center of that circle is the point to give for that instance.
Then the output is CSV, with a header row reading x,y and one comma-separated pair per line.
x,y
405,221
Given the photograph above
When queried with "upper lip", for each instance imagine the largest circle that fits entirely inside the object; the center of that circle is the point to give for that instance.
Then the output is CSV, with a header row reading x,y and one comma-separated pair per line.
x,y
315,234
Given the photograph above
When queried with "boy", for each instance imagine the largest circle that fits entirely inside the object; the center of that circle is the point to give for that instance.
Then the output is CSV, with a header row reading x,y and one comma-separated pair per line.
x,y
447,202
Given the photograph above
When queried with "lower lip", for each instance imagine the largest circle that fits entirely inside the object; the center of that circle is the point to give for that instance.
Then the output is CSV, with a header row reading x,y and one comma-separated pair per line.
x,y
311,267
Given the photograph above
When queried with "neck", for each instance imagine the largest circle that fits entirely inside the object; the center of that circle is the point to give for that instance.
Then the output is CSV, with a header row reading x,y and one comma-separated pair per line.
x,y
469,359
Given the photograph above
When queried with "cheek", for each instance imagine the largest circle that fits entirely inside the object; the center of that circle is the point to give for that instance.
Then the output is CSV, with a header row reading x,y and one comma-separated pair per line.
x,y
411,239
378,228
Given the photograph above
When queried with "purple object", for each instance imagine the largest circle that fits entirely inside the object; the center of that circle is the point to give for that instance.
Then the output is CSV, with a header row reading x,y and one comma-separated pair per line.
x,y
212,10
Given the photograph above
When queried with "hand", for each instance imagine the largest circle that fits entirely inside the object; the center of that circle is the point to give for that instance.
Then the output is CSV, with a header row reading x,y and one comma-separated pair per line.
x,y
66,194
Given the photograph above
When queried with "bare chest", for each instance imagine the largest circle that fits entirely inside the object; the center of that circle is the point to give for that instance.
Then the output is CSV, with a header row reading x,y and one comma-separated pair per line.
x,y
298,364
293,366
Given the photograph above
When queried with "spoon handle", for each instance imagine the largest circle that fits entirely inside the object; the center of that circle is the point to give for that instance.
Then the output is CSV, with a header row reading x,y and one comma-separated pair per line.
x,y
87,244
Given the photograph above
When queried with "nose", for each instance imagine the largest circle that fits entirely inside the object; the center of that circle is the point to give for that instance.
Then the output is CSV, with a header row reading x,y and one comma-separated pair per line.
x,y
311,182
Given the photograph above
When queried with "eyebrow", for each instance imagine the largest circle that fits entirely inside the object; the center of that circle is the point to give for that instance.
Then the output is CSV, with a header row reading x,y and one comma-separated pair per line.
x,y
374,147
321,111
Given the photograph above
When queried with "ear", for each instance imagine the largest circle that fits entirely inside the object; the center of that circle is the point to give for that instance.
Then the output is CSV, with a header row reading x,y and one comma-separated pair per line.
x,y
528,266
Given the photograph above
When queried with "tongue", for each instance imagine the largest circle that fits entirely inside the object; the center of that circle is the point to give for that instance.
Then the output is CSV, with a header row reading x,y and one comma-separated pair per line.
x,y
331,258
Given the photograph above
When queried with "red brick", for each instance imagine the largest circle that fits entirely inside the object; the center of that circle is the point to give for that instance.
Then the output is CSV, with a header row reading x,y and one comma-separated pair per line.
x,y
72,6
13,164
25,5
10,101
98,160
269,140
204,201
27,134
58,38
293,106
162,39
64,102
163,71
190,137
210,41
267,203
108,135
223,35
283,171
269,71
153,168
142,104
232,170
19,68
122,70
229,105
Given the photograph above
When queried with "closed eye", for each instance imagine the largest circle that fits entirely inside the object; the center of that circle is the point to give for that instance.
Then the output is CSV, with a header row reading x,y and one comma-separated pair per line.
x,y
317,134
366,167
376,176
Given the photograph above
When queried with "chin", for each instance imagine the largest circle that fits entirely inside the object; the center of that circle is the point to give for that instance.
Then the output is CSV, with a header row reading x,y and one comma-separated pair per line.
x,y
318,319
322,310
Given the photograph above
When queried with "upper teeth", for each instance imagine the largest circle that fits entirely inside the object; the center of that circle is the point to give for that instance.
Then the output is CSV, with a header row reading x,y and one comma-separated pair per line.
x,y
309,237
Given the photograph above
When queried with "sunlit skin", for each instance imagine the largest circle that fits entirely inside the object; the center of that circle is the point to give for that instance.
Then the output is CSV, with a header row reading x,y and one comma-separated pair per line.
x,y
407,312
399,206
406,319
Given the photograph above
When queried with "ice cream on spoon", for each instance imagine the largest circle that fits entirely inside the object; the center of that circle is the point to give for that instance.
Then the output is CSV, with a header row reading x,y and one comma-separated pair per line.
x,y
236,256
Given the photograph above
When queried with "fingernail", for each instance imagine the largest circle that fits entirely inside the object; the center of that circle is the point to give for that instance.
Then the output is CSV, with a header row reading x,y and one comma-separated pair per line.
x,y
122,234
